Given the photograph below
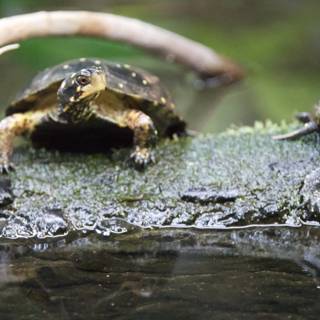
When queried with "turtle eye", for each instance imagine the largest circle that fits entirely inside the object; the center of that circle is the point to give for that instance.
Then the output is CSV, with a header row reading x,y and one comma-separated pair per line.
x,y
83,80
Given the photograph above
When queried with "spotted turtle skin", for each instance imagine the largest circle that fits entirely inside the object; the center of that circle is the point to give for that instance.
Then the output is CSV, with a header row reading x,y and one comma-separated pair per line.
x,y
89,104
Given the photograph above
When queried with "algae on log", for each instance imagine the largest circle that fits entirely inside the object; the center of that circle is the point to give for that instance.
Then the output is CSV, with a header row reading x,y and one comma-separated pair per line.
x,y
238,178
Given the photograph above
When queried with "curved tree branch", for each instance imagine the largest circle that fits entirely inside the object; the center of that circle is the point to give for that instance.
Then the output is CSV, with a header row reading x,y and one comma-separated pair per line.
x,y
174,47
9,47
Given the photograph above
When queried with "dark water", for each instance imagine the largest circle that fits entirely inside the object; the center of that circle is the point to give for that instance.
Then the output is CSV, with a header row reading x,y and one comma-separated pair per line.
x,y
246,274
180,274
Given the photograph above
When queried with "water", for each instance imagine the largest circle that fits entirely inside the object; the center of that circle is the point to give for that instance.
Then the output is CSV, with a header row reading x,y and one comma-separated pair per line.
x,y
247,274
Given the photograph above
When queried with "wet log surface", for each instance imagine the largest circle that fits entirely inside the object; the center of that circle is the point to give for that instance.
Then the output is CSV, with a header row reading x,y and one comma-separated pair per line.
x,y
234,179
86,236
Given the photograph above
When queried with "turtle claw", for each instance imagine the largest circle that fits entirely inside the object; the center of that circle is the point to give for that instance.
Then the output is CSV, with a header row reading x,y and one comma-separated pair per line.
x,y
141,157
303,117
6,167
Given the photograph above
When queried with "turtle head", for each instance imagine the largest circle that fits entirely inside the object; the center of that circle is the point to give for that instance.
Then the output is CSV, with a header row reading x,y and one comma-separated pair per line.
x,y
78,89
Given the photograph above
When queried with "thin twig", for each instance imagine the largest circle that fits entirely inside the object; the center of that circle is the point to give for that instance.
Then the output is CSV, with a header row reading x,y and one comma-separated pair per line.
x,y
9,47
174,47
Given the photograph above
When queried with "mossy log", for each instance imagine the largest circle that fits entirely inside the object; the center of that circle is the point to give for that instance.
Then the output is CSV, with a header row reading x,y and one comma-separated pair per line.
x,y
232,180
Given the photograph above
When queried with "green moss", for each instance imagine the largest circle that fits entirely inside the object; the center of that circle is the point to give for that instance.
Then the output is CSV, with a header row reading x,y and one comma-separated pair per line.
x,y
189,186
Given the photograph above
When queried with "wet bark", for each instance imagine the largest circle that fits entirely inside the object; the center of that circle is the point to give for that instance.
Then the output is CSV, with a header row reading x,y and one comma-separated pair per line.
x,y
231,180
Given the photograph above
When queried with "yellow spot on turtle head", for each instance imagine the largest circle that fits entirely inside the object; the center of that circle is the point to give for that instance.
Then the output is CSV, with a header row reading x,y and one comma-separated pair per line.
x,y
118,65
120,85
127,66
163,100
83,59
155,103
66,66
172,105
133,74
97,62
71,99
145,82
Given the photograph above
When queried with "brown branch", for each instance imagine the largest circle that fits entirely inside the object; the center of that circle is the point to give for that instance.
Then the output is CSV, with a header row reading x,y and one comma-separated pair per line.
x,y
174,47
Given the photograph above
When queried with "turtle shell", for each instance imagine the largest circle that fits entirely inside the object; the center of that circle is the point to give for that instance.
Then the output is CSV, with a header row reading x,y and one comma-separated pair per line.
x,y
140,88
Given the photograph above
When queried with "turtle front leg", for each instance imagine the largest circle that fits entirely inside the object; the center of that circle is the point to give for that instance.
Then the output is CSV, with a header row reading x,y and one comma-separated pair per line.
x,y
145,136
11,127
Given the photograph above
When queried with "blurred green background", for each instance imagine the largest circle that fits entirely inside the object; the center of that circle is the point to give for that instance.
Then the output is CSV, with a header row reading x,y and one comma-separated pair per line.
x,y
276,41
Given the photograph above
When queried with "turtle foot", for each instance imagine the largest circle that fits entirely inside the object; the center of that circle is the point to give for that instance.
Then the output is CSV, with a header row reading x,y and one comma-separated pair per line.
x,y
303,117
142,157
6,167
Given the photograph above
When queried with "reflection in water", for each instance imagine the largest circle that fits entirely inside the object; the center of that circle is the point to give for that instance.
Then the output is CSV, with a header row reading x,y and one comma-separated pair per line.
x,y
252,274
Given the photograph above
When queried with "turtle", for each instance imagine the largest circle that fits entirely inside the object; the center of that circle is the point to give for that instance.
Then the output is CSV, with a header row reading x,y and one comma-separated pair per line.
x,y
310,121
86,102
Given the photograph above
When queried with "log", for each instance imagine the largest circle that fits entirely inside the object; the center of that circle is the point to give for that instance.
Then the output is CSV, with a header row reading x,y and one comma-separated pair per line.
x,y
173,47
233,180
